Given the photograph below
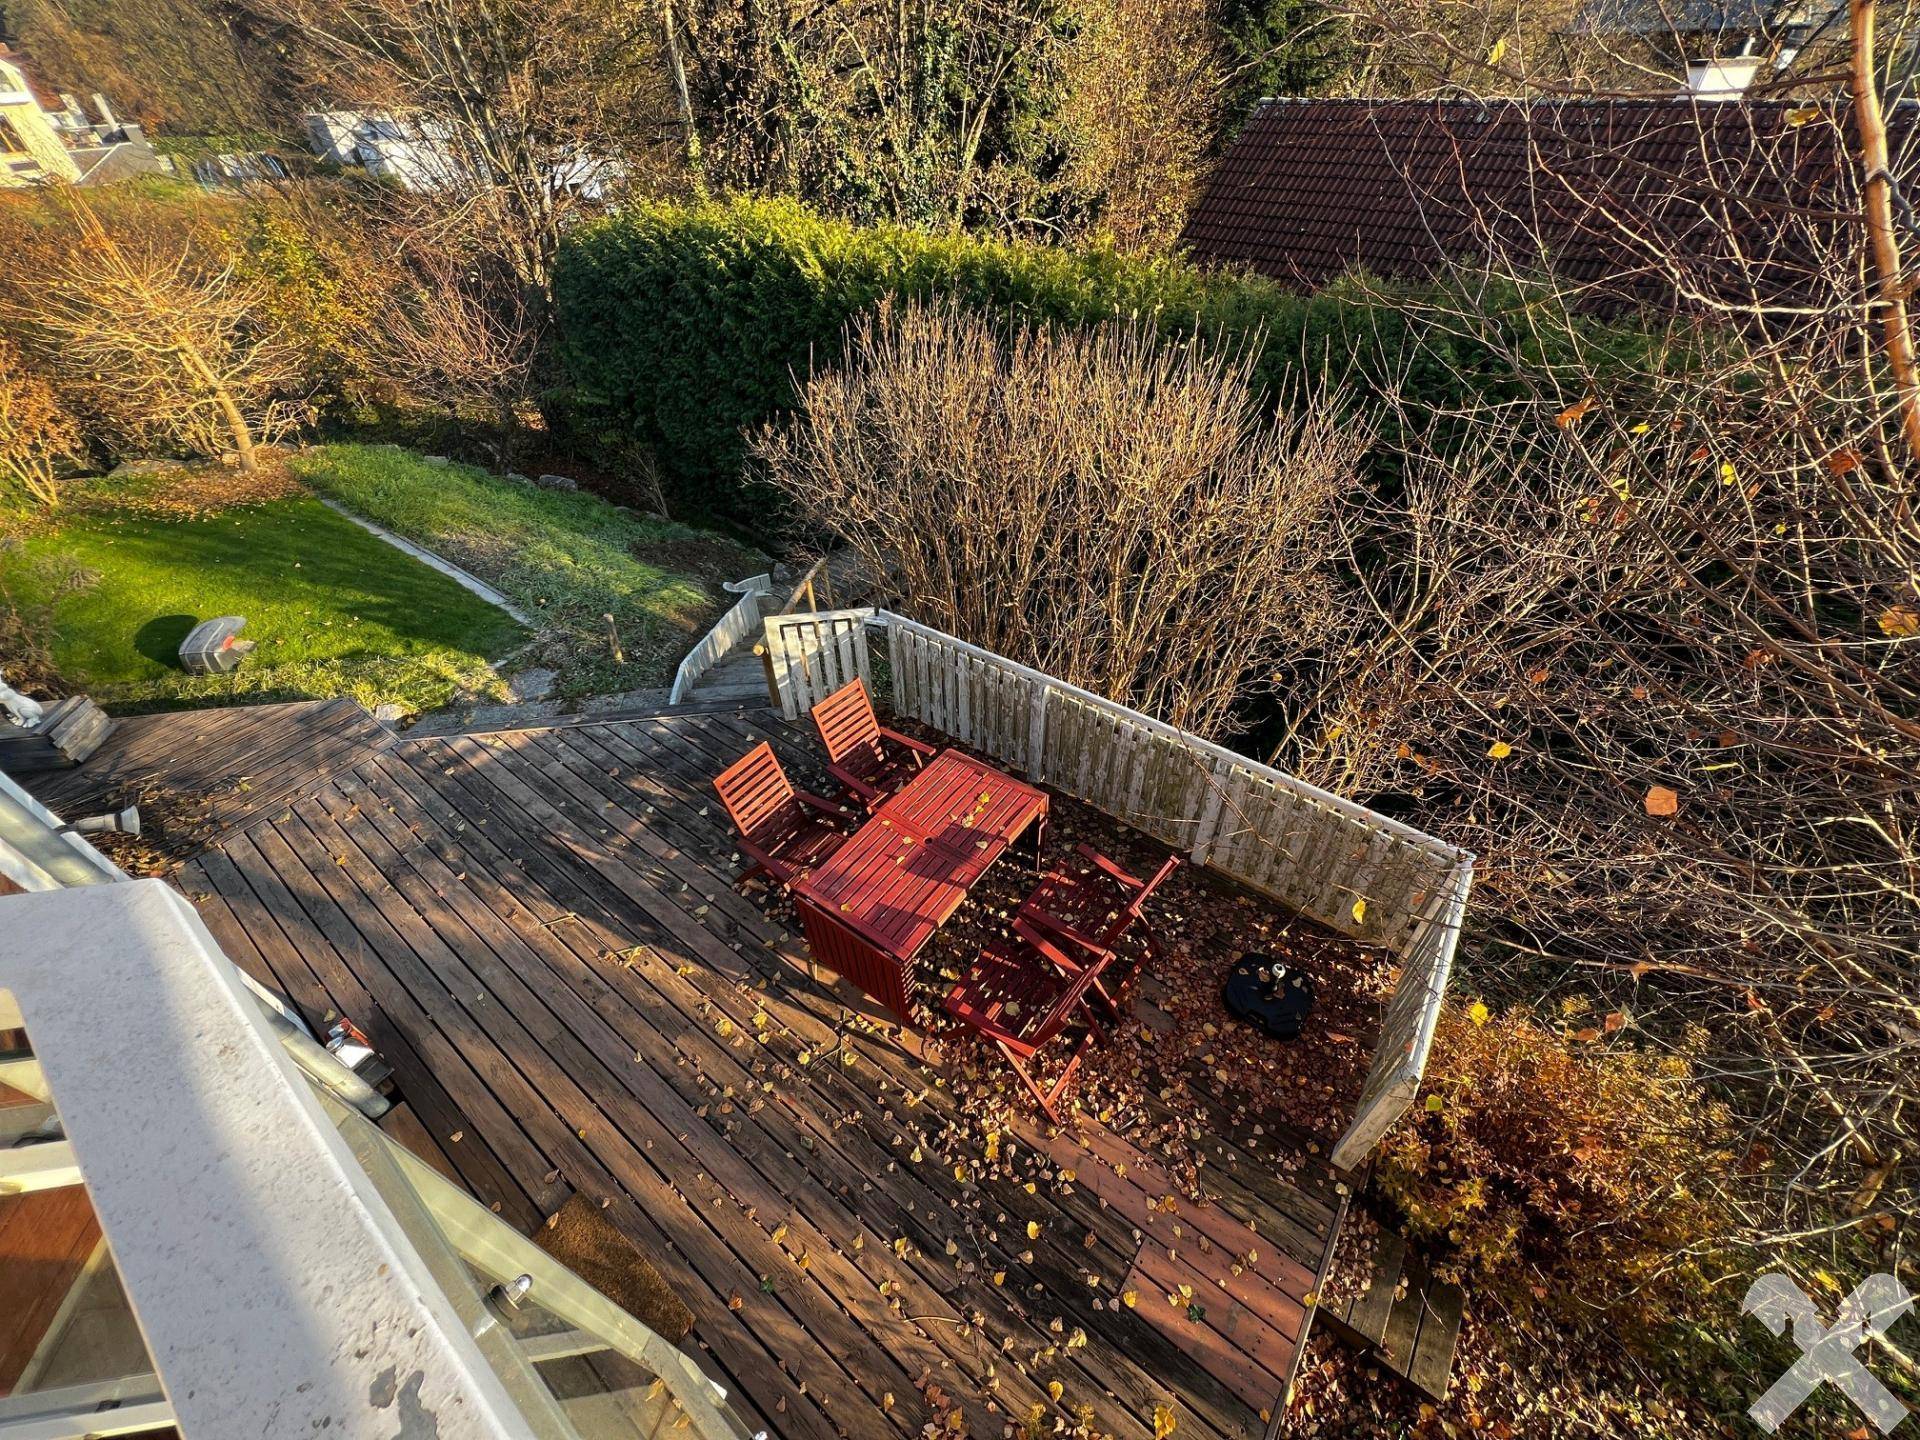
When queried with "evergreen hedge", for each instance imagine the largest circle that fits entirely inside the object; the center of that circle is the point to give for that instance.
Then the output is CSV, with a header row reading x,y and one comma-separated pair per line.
x,y
683,328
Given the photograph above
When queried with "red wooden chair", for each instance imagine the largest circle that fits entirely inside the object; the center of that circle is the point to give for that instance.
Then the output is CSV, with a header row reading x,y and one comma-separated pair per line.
x,y
1022,994
784,831
862,754
1092,907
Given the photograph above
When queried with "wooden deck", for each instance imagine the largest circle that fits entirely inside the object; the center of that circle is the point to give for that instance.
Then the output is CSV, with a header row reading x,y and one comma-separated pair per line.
x,y
207,772
538,930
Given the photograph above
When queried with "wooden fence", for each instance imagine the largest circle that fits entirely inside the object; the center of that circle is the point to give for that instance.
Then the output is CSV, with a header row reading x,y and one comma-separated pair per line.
x,y
741,623
1361,873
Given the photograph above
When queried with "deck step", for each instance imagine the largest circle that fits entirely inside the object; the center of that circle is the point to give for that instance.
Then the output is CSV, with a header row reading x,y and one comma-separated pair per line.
x,y
1406,1317
67,733
741,678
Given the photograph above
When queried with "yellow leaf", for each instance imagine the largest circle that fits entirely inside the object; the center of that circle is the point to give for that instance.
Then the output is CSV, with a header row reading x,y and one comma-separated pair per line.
x,y
1499,750
1478,1012
999,1277
1498,52
1901,621
1033,1229
1360,911
779,1233
1727,473
1055,1390
1164,1421
1435,1104
1130,1298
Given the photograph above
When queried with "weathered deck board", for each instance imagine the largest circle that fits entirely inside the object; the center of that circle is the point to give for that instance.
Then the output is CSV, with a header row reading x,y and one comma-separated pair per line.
x,y
538,929
229,766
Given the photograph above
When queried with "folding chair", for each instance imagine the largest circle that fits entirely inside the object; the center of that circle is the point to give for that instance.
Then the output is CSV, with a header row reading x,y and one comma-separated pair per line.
x,y
1022,993
782,830
1092,907
862,754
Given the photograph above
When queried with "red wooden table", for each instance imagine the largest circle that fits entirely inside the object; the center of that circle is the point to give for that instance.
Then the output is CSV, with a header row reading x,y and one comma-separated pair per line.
x,y
870,907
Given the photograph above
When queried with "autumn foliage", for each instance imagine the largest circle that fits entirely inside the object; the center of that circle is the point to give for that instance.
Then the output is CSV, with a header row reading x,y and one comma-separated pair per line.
x,y
1551,1165
37,435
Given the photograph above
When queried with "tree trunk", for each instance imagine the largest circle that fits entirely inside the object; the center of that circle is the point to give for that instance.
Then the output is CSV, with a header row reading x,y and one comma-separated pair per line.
x,y
1877,192
676,66
237,427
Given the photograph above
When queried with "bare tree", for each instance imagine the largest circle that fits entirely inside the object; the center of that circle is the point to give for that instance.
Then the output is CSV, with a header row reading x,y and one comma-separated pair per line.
x,y
467,340
1105,505
542,106
169,344
1643,629
1142,83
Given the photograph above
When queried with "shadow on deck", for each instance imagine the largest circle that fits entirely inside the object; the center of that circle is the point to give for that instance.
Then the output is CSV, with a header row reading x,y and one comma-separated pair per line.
x,y
538,929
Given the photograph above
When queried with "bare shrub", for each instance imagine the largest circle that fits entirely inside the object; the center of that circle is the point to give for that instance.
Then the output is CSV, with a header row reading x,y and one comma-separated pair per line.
x,y
1111,508
36,433
1646,640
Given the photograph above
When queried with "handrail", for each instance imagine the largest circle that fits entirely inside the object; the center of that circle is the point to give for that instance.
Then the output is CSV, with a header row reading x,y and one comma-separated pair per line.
x,y
740,621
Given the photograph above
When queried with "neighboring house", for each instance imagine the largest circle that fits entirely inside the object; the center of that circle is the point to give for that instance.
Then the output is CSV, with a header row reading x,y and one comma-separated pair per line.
x,y
416,152
413,151
1724,44
46,139
240,170
1642,200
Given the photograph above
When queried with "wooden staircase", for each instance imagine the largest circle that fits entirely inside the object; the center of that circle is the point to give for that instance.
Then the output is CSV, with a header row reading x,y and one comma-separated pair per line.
x,y
1406,1316
741,678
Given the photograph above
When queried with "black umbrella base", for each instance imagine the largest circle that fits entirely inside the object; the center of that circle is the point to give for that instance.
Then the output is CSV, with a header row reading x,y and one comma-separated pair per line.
x,y
1270,995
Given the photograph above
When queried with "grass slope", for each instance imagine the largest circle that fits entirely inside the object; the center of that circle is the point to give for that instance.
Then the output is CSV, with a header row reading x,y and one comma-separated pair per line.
x,y
569,559
334,610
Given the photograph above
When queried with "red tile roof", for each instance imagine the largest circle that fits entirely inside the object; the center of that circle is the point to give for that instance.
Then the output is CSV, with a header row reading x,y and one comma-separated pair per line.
x,y
1315,187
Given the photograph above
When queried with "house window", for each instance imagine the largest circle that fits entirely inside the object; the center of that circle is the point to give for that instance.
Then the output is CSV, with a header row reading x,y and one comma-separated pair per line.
x,y
10,141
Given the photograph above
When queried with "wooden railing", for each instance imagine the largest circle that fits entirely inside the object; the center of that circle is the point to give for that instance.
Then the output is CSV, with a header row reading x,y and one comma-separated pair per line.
x,y
1361,873
741,624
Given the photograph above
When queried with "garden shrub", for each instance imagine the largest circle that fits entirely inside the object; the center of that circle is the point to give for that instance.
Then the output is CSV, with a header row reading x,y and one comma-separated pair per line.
x,y
1554,1168
684,327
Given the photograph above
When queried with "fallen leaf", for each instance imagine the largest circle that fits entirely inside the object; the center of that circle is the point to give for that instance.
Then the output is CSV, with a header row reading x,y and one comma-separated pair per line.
x,y
1661,801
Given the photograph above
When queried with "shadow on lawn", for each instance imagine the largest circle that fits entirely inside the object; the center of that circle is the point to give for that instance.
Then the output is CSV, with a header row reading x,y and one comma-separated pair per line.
x,y
159,639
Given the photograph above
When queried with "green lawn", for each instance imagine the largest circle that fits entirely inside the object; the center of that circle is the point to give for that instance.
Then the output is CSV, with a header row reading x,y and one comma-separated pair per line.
x,y
335,611
568,559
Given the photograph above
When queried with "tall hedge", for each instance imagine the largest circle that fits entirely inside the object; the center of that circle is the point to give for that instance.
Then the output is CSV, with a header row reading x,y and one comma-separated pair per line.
x,y
682,328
